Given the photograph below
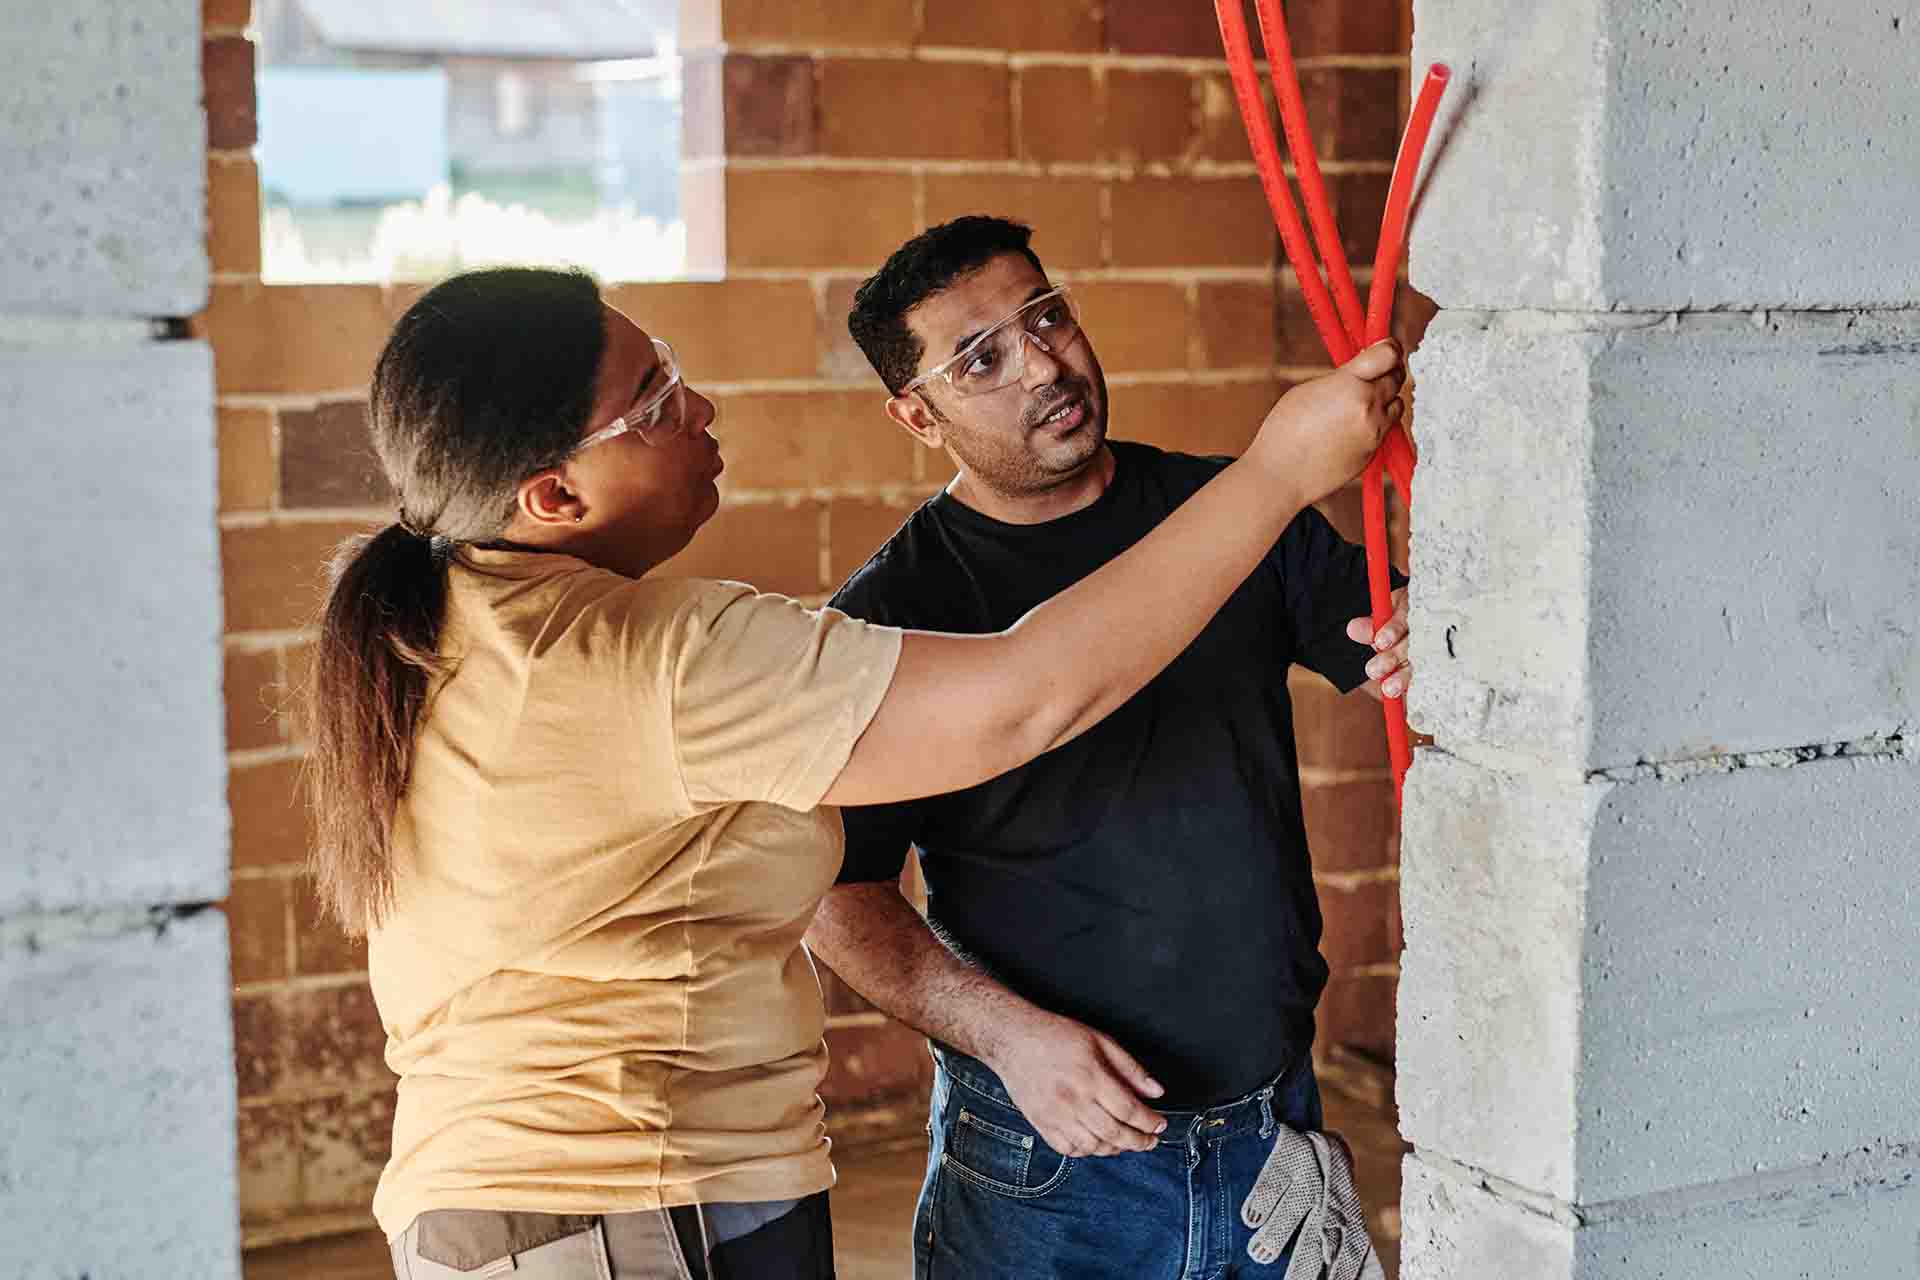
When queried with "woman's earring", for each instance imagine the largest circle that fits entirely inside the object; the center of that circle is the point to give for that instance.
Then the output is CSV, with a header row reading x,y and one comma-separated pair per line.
x,y
579,516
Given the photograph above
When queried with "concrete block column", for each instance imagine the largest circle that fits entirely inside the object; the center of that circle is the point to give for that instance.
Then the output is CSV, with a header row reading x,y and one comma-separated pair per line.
x,y
116,1051
1660,1004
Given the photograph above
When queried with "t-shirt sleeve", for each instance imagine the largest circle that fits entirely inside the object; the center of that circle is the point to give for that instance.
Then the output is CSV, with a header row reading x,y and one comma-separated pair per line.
x,y
769,697
1324,583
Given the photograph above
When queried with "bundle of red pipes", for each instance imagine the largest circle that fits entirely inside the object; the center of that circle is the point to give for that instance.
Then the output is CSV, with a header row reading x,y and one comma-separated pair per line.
x,y
1344,331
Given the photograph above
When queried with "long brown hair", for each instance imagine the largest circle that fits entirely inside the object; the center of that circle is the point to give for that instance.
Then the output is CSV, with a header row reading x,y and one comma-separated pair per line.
x,y
487,379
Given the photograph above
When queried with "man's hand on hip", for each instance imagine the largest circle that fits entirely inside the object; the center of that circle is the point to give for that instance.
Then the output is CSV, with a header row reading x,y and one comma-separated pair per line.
x,y
1080,1090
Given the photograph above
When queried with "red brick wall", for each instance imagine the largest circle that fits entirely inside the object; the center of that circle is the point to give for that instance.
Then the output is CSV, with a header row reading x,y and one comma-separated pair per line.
x,y
827,132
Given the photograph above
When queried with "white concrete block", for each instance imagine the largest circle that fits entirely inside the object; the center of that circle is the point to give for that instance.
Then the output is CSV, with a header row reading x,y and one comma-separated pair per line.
x,y
1846,1228
1644,155
1751,977
1614,989
103,141
1492,889
113,781
117,1109
1628,534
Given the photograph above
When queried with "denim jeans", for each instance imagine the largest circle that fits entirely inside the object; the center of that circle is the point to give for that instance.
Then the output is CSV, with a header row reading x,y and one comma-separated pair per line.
x,y
999,1202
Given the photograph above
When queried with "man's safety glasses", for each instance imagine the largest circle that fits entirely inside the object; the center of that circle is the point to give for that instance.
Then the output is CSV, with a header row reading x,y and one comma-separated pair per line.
x,y
661,418
998,357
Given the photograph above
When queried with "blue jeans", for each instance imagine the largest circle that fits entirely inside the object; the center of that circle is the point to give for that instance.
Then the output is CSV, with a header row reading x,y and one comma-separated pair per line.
x,y
999,1202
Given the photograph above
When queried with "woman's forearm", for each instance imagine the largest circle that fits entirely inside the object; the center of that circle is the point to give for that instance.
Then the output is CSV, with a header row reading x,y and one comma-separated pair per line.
x,y
963,709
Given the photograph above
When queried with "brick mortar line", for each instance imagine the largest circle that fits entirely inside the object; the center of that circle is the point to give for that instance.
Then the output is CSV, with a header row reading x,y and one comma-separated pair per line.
x,y
1348,881
1167,274
1379,969
234,521
1017,60
314,1093
256,643
1108,274
295,1226
281,400
1313,775
301,982
280,871
1199,170
1785,1192
913,492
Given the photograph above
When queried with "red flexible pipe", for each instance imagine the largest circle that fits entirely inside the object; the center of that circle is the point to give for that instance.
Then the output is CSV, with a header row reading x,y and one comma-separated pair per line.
x,y
1266,156
1393,243
1386,265
1342,332
1306,166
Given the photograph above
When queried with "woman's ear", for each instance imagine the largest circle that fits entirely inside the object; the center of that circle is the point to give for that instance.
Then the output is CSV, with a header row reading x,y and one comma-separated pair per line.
x,y
545,499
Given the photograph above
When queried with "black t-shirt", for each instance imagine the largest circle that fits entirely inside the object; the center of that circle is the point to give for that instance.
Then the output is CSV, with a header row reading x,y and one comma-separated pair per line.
x,y
1149,878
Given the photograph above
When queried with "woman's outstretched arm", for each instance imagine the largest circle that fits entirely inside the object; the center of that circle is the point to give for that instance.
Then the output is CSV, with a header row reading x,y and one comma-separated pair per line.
x,y
962,709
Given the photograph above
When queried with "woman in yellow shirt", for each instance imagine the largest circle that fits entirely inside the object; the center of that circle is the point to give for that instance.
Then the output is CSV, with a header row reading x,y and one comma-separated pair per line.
x,y
584,814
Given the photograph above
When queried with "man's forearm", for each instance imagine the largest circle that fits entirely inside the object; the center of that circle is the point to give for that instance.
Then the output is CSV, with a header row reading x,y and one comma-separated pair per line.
x,y
873,938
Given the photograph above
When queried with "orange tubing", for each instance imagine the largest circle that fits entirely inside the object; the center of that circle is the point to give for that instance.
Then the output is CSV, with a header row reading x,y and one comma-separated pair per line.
x,y
1386,265
1306,166
1343,329
1266,156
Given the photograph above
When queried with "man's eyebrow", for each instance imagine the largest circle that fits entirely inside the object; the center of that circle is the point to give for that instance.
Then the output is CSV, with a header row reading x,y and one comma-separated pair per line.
x,y
966,340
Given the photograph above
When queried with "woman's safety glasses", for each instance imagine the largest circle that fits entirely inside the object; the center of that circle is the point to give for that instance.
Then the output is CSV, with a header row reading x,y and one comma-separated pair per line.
x,y
661,418
998,357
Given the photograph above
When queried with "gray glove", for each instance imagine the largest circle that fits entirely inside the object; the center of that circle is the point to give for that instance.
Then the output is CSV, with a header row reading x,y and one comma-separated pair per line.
x,y
1307,1186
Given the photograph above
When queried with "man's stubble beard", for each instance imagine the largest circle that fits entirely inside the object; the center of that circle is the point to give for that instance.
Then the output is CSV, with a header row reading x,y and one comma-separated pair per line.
x,y
1016,472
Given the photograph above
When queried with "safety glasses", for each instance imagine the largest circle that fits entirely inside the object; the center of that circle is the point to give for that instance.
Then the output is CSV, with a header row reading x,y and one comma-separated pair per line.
x,y
660,419
998,357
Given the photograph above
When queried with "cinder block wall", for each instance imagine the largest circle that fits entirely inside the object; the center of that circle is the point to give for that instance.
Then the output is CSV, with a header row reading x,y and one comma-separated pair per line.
x,y
116,1076
1659,1014
818,136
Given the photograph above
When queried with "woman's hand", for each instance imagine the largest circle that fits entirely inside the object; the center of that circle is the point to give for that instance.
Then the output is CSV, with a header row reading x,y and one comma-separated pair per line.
x,y
1322,433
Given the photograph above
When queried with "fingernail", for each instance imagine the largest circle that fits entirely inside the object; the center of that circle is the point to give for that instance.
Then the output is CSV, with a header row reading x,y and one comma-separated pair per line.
x,y
1392,688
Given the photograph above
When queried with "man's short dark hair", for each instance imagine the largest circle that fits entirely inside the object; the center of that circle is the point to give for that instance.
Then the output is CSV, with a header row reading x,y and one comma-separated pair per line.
x,y
923,266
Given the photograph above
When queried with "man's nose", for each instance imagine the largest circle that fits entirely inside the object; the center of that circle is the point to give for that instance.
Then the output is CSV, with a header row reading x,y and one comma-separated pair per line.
x,y
1042,366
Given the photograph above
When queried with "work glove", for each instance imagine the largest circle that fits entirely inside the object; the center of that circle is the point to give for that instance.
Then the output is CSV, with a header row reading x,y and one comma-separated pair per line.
x,y
1307,1186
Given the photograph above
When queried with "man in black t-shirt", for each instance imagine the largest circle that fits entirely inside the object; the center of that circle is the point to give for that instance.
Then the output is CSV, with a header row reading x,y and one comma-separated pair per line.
x,y
1129,919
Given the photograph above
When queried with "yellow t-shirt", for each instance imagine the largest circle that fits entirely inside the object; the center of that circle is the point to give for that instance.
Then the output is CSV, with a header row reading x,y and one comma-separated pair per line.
x,y
592,980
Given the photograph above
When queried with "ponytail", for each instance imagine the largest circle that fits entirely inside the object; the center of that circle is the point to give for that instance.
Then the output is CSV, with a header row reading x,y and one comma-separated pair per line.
x,y
487,379
378,655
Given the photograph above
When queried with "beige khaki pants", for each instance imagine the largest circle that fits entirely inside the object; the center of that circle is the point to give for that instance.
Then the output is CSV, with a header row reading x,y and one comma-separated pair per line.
x,y
453,1244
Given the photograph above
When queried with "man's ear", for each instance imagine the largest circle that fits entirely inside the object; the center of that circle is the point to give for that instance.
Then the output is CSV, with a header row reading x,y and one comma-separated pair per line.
x,y
545,499
918,419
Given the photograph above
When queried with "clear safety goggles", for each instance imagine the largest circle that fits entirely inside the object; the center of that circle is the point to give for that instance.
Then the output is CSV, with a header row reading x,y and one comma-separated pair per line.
x,y
660,419
998,357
